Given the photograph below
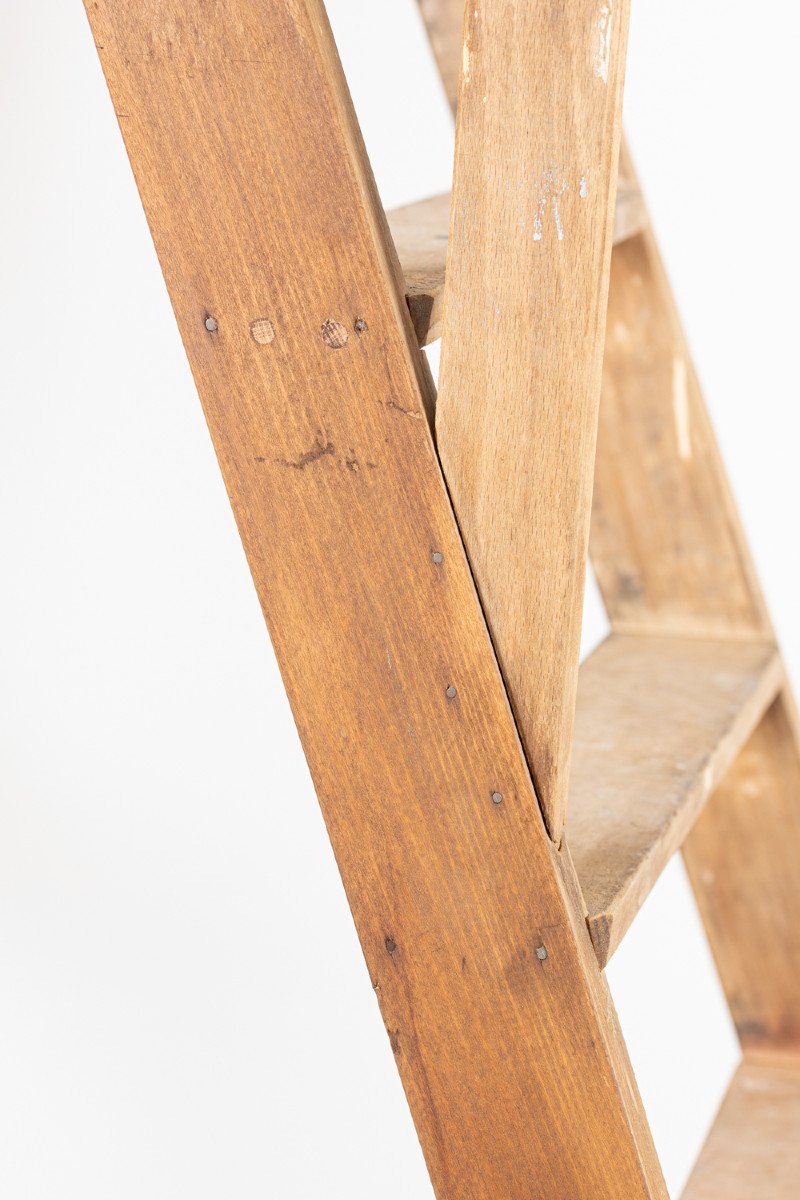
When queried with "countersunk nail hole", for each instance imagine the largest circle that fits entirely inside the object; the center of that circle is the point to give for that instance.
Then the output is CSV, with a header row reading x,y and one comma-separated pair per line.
x,y
541,953
437,557
390,944
497,797
211,324
450,692
361,325
334,335
262,331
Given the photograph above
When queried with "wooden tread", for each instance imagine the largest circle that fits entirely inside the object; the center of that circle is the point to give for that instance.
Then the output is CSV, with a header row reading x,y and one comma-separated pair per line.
x,y
753,1149
420,233
658,722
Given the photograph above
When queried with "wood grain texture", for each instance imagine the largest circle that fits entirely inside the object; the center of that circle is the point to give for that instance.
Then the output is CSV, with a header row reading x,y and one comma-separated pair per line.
x,y
420,233
753,1150
658,722
265,217
666,543
670,556
444,21
525,304
743,858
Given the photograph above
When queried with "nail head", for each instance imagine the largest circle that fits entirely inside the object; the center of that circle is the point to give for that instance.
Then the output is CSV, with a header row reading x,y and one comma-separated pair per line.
x,y
437,557
497,797
450,692
211,324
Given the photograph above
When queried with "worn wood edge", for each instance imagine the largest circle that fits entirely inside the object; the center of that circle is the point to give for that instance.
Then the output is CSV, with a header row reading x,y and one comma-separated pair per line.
x,y
608,927
423,259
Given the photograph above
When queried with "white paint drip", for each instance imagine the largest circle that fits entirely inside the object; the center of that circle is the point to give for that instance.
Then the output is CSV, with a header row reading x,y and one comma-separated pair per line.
x,y
680,408
551,192
538,219
557,219
465,62
602,54
584,187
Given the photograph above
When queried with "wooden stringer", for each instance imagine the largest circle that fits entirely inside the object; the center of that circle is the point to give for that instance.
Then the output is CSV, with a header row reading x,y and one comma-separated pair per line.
x,y
498,815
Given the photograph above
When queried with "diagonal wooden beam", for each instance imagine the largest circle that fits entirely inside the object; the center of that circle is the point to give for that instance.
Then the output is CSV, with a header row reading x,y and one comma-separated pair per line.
x,y
287,294
525,305
671,557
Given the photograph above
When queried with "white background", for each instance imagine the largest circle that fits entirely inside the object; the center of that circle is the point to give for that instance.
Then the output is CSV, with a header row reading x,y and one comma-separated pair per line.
x,y
184,1010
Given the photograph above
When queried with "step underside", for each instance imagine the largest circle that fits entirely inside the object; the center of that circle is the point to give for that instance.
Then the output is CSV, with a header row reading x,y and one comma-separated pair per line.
x,y
658,722
753,1149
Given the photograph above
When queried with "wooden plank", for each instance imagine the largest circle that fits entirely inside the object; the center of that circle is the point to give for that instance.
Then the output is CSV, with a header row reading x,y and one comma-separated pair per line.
x,y
658,722
743,859
666,543
420,233
670,557
444,21
753,1150
281,273
516,417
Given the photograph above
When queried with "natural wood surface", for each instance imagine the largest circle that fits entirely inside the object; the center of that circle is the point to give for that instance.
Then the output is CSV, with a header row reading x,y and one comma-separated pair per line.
x,y
753,1150
519,383
743,859
670,557
444,21
290,304
658,722
420,233
666,542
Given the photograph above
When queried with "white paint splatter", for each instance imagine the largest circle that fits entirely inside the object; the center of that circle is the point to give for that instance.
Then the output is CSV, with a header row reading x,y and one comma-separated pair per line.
x,y
584,187
538,218
602,54
680,408
550,194
557,219
465,61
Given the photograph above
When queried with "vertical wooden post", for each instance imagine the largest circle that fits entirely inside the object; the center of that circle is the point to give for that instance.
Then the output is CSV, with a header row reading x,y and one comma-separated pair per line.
x,y
537,145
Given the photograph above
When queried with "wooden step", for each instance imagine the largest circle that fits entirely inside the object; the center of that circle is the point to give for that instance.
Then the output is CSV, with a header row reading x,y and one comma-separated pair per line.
x,y
753,1149
658,722
420,233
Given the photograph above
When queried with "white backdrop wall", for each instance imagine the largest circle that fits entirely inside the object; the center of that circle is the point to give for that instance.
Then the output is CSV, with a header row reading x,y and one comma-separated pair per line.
x,y
184,1009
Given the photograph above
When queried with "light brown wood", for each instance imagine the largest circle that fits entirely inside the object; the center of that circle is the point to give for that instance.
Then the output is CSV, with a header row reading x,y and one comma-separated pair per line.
x,y
420,233
666,542
525,302
753,1150
743,859
289,301
658,722
670,557
444,21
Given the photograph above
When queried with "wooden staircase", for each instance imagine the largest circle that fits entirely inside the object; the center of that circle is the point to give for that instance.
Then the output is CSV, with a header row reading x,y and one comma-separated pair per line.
x,y
498,814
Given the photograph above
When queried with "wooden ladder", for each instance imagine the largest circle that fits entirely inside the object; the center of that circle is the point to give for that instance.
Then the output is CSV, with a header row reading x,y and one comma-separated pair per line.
x,y
497,814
